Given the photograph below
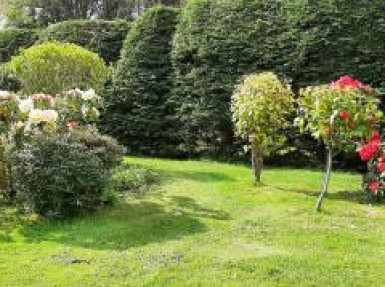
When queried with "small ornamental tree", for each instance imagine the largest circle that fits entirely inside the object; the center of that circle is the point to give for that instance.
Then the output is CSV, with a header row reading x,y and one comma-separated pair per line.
x,y
260,106
340,115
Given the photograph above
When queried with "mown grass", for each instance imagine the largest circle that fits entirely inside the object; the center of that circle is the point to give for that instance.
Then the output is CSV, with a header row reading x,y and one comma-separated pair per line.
x,y
206,224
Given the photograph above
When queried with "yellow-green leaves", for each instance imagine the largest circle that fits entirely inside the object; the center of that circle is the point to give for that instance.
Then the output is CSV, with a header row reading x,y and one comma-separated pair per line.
x,y
55,67
261,105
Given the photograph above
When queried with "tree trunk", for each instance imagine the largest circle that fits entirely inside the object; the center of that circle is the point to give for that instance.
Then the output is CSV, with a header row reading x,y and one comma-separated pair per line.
x,y
257,162
326,180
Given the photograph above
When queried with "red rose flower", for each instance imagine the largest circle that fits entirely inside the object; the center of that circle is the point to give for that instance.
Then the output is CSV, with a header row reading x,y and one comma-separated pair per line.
x,y
374,186
369,151
344,114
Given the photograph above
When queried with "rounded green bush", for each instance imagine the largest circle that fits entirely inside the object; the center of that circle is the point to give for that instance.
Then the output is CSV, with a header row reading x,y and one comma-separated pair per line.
x,y
14,40
56,177
138,113
216,43
55,67
102,37
106,148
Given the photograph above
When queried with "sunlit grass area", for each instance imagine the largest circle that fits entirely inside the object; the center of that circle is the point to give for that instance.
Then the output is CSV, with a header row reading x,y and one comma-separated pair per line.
x,y
206,224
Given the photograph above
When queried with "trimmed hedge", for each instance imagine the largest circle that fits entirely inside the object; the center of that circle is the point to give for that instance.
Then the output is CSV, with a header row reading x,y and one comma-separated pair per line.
x,y
337,37
14,40
103,37
217,42
138,113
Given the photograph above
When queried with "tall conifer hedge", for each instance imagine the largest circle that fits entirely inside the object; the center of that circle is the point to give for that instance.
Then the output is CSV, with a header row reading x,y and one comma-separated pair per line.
x,y
138,111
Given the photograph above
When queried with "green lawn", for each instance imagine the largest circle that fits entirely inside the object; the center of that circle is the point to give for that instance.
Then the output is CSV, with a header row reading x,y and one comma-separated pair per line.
x,y
206,224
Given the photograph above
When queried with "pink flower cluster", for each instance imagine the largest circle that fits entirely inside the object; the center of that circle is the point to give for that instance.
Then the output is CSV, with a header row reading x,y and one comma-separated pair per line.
x,y
347,82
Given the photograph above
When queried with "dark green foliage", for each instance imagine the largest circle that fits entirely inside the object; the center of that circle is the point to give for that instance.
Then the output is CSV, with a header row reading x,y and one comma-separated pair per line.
x,y
13,40
103,37
106,148
217,42
138,113
308,41
8,82
58,178
338,37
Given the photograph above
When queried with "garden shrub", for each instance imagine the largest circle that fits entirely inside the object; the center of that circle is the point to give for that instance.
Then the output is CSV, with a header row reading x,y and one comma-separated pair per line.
x,y
132,178
340,115
261,107
42,114
216,43
55,177
12,41
137,112
102,37
106,148
55,67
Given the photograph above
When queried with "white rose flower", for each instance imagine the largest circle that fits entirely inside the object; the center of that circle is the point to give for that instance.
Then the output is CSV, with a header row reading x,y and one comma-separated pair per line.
x,y
89,95
4,95
51,116
25,106
73,93
47,116
86,111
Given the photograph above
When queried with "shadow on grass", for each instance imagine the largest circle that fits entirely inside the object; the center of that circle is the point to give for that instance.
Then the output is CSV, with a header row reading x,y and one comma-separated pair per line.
x,y
128,225
350,196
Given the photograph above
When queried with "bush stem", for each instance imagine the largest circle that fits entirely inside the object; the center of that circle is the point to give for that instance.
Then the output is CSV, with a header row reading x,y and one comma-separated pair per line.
x,y
326,180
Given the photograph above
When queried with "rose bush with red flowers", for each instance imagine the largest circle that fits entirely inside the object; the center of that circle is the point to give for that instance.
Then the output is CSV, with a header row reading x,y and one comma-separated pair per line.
x,y
374,182
373,153
342,115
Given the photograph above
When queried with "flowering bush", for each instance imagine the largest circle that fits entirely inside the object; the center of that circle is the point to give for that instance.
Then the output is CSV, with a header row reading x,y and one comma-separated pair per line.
x,y
341,115
41,114
58,163
373,152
